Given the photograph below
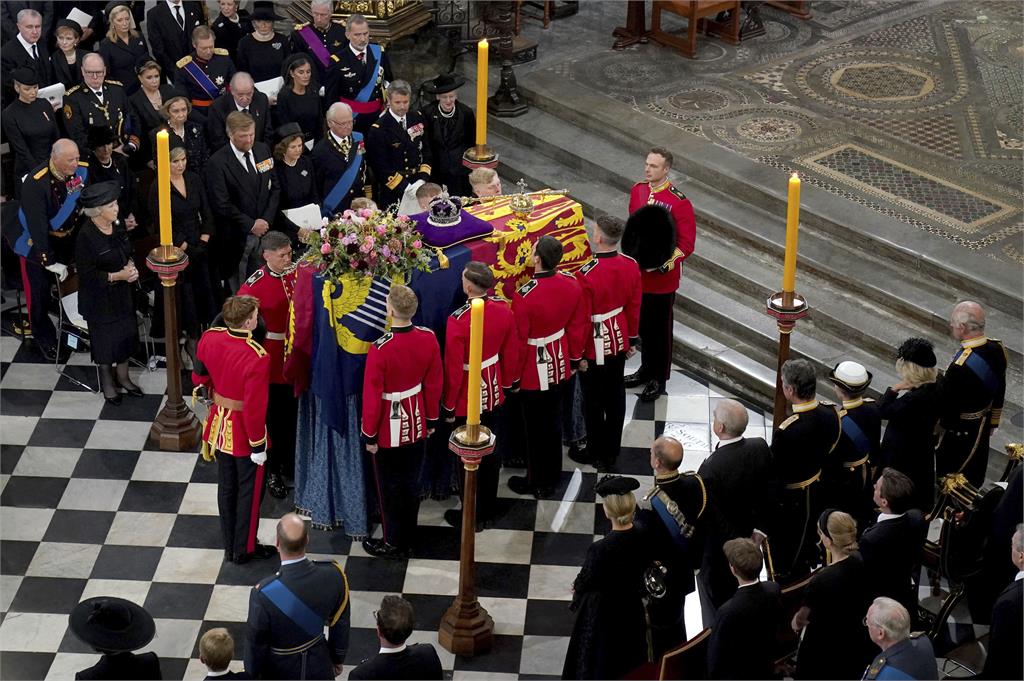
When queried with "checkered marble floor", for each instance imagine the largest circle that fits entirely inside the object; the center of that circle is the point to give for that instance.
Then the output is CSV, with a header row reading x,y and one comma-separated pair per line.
x,y
87,510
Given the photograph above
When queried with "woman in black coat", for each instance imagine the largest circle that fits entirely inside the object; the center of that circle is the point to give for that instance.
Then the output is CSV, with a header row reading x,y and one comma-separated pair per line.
x,y
147,101
29,125
911,409
66,60
262,52
451,130
298,101
122,48
106,277
294,173
183,129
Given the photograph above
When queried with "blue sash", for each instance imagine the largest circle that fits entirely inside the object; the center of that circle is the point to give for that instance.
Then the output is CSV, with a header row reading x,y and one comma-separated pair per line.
x,y
367,91
22,246
670,523
297,611
977,364
202,80
344,184
856,435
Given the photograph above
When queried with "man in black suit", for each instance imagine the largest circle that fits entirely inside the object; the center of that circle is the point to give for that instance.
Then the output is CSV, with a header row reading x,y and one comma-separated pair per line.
x,y
892,547
396,660
243,194
9,10
115,627
25,50
357,75
289,610
241,96
169,25
844,476
741,481
1004,659
395,147
742,644
801,445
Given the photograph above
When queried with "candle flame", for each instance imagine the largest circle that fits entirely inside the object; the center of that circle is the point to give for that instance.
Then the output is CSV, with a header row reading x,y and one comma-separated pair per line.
x,y
795,176
483,41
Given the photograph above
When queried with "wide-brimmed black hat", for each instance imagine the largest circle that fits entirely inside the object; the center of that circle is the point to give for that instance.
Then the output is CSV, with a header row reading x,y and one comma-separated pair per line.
x,y
98,136
69,23
100,194
112,624
25,76
851,377
918,351
288,129
264,11
446,82
616,484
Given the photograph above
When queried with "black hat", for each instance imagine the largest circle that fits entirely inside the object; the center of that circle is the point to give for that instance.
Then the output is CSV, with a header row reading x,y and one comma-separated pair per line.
x,y
112,624
98,136
851,377
69,23
264,11
446,82
109,7
650,236
917,351
289,129
145,59
100,194
25,76
615,484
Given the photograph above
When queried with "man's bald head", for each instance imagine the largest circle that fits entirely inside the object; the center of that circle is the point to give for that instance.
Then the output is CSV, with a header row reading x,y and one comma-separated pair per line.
x,y
292,536
967,320
64,156
667,454
731,418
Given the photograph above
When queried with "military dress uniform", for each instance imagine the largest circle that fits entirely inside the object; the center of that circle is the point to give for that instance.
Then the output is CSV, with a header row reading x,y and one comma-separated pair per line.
x,y
971,399
401,396
274,290
499,363
320,45
611,289
801,445
287,615
552,325
208,82
332,160
911,658
660,285
671,517
398,155
845,477
84,108
235,368
359,81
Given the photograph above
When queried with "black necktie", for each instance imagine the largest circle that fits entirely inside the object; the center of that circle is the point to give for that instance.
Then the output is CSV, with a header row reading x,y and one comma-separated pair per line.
x,y
177,15
401,122
245,110
248,164
35,52
361,56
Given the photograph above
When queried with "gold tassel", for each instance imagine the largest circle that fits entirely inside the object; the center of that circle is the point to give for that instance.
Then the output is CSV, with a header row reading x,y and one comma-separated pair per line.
x,y
442,259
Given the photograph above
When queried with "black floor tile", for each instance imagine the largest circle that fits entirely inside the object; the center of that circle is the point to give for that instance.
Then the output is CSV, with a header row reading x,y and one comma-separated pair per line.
x,y
61,433
502,580
9,457
143,408
205,471
15,556
48,594
153,497
84,373
178,601
437,543
514,514
333,542
272,507
31,492
17,402
586,488
127,562
375,574
28,354
196,532
173,667
107,464
634,461
79,527
643,411
3,369
505,655
248,574
548,618
18,665
429,609
551,548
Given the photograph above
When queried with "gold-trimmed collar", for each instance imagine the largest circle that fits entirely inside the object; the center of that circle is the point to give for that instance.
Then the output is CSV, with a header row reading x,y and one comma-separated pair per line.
x,y
974,342
805,406
57,174
666,477
661,187
853,404
240,333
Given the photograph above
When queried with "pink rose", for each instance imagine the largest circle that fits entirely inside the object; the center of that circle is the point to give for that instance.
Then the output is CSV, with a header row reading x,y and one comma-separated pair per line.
x,y
348,215
365,212
386,252
325,248
417,244
381,229
403,218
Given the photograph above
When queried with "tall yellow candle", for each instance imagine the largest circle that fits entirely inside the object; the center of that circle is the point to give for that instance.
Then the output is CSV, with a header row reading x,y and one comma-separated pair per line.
x,y
481,92
476,351
792,223
163,181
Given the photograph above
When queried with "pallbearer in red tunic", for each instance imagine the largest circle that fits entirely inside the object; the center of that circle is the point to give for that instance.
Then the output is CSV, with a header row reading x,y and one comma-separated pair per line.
x,y
612,292
660,279
552,323
401,398
273,285
235,370
500,362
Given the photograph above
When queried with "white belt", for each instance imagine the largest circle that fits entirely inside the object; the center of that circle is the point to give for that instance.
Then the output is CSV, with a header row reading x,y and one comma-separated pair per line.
x,y
275,335
489,362
396,415
598,321
543,358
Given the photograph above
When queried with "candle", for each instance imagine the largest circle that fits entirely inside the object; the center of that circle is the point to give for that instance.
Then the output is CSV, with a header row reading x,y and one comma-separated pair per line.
x,y
792,223
481,92
476,351
163,182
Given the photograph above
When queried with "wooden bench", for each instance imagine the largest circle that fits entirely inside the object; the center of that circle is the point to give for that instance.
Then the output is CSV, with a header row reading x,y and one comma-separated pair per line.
x,y
694,11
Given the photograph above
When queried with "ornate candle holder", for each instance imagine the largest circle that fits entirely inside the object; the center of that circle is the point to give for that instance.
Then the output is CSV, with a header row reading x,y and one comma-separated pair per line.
x,y
787,307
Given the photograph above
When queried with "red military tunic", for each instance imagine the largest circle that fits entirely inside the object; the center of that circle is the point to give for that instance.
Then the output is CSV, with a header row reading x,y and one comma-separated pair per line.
x,y
500,357
274,291
686,232
402,386
237,373
612,292
551,317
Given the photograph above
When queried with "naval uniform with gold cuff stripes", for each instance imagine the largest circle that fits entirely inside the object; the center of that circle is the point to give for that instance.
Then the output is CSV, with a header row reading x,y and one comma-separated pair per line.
x,y
397,154
801,445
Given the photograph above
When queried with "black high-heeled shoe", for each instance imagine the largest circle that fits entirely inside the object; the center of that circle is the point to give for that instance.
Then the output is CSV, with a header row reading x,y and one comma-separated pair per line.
x,y
124,382
108,386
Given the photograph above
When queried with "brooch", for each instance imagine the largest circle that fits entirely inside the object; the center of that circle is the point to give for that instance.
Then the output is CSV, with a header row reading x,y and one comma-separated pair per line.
x,y
304,173
276,46
218,81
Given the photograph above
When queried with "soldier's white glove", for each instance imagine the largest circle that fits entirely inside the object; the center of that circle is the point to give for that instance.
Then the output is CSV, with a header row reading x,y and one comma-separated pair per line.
x,y
60,269
258,458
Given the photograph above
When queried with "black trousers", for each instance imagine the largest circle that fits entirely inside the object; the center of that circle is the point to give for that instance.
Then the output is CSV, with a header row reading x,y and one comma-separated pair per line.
x,y
794,546
282,415
542,415
604,407
656,317
490,467
397,472
37,282
240,485
964,451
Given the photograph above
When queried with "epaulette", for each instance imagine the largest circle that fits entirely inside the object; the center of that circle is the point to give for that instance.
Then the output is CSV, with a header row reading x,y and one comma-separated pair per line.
x,y
826,403
217,328
221,51
962,357
461,311
260,352
376,125
842,413
73,89
113,82
788,422
334,57
675,192
498,299
589,266
380,342
629,257
567,274
427,329
184,60
254,277
84,163
868,399
42,171
299,27
527,287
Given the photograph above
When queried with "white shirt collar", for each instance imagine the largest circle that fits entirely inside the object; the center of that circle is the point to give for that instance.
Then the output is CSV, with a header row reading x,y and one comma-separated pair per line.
x,y
27,45
171,5
240,155
749,584
239,108
355,51
390,651
722,443
292,560
220,673
889,516
1020,575
337,139
398,119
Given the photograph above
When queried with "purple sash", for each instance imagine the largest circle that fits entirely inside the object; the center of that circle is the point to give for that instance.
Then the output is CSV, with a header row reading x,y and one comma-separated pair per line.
x,y
315,45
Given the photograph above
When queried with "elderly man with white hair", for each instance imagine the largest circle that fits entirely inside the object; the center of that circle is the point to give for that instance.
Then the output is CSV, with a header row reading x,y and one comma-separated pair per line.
x,y
243,96
322,38
25,50
970,396
904,655
338,162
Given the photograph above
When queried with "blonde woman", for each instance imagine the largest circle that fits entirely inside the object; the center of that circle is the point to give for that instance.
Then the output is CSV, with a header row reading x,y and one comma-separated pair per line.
x,y
609,637
122,48
911,409
834,603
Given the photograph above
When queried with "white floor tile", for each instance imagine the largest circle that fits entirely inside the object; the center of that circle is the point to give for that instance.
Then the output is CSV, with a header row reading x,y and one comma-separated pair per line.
x,y
543,655
24,524
165,466
89,494
190,566
119,435
132,528
60,559
32,632
51,462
